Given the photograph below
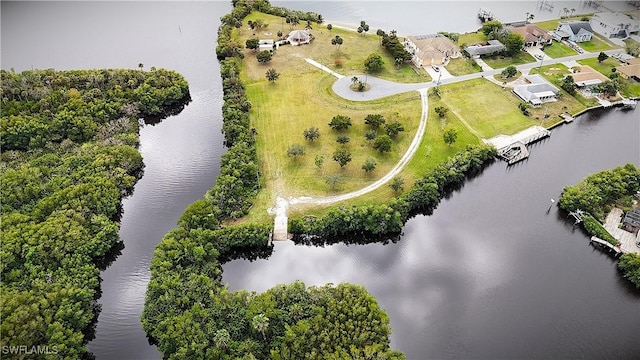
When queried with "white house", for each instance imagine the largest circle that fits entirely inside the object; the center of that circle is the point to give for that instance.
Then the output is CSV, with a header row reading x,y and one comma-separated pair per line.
x,y
536,91
577,31
434,49
614,25
265,44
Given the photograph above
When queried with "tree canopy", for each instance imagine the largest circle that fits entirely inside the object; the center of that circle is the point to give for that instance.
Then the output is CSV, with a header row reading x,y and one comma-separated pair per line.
x,y
69,155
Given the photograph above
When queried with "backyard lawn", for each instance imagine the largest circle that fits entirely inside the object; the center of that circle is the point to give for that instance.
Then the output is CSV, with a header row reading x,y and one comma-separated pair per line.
x,y
602,67
471,38
485,108
553,24
597,44
568,103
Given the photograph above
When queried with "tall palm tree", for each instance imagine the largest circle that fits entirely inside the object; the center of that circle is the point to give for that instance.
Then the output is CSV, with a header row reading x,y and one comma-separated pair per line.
x,y
140,65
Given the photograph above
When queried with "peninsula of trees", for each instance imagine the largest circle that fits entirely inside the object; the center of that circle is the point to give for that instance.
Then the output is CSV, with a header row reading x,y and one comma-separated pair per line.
x,y
596,195
69,155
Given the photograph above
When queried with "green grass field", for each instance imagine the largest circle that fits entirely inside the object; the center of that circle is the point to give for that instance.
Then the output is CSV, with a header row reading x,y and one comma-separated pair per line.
x,y
558,50
472,38
485,107
352,53
597,44
500,62
553,24
462,66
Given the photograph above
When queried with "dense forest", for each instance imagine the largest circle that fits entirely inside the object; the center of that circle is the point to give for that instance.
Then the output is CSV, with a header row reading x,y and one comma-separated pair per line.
x,y
69,156
596,195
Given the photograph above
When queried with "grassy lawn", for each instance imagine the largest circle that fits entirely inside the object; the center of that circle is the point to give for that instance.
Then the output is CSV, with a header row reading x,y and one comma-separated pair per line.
x,y
471,38
352,53
558,50
602,67
509,79
485,107
597,44
462,66
431,152
500,62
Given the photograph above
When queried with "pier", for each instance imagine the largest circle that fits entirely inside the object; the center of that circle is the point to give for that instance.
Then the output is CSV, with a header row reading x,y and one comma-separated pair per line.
x,y
485,15
513,148
606,245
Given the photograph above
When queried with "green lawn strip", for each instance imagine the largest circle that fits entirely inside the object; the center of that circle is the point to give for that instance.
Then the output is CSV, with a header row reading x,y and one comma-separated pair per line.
x,y
351,54
597,44
500,62
558,50
462,66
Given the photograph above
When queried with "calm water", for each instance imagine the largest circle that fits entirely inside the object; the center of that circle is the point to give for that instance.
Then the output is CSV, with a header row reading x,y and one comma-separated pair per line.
x,y
490,274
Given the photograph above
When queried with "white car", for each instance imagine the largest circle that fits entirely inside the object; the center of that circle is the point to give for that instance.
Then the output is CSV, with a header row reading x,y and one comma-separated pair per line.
x,y
538,56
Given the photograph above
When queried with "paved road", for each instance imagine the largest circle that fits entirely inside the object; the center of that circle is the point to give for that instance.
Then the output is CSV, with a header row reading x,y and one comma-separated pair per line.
x,y
382,88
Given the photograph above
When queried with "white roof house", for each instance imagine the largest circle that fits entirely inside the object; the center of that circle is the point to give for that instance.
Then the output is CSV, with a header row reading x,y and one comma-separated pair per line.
x,y
536,91
614,25
299,37
265,44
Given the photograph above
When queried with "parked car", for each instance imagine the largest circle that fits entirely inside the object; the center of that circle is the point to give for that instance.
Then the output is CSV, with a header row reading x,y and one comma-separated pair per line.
x,y
435,68
538,56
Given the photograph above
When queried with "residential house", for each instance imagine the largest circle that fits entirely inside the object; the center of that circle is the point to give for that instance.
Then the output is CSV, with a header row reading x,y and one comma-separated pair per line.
x,y
576,31
587,77
630,70
478,50
532,34
536,90
614,25
434,49
265,44
631,221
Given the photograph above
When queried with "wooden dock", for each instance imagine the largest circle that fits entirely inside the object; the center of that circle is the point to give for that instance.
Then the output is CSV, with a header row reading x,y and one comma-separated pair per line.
x,y
485,15
514,153
567,118
606,245
513,148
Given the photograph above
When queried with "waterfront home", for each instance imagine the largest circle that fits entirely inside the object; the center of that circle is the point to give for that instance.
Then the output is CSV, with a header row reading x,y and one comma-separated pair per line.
x,y
630,70
586,77
614,25
536,90
576,31
631,221
433,49
532,34
479,50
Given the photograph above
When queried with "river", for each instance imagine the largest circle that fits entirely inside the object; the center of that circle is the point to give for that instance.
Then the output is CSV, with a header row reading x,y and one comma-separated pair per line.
x,y
489,275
